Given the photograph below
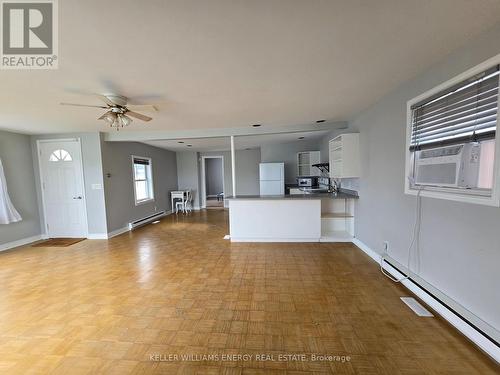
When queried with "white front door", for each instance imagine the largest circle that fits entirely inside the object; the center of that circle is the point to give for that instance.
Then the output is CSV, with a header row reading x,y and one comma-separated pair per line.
x,y
62,188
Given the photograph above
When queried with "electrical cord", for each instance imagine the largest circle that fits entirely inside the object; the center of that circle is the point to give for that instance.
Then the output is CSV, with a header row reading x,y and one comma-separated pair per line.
x,y
415,235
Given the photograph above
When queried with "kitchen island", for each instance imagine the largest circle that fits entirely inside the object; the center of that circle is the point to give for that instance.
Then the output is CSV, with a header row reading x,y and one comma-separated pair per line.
x,y
292,218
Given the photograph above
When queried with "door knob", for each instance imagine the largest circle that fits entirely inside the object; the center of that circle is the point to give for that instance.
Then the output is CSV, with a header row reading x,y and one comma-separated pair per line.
x,y
79,197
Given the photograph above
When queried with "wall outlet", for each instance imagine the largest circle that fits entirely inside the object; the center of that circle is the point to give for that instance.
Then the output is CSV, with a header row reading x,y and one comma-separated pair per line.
x,y
386,247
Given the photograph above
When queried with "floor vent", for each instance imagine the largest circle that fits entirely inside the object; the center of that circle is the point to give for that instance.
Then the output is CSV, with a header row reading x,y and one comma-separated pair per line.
x,y
146,220
417,308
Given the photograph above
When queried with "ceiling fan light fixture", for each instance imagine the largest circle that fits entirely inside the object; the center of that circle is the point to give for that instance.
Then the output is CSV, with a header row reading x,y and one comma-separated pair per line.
x,y
110,117
125,120
119,122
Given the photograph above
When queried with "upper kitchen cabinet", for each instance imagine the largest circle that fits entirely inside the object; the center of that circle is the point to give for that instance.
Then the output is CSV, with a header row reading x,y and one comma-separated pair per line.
x,y
344,156
305,161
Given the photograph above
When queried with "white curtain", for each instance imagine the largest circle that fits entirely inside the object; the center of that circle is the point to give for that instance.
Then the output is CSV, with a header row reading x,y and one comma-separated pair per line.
x,y
8,214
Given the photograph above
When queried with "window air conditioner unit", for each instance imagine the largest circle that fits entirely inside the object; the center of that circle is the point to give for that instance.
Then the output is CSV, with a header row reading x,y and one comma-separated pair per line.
x,y
450,166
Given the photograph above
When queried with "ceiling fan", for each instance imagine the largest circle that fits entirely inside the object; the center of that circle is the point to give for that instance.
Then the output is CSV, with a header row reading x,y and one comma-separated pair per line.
x,y
118,112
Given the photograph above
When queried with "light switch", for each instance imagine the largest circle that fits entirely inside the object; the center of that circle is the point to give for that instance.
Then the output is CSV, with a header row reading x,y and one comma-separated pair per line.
x,y
96,187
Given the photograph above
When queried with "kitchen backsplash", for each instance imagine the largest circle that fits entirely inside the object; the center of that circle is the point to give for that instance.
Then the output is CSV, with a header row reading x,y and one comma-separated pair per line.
x,y
350,183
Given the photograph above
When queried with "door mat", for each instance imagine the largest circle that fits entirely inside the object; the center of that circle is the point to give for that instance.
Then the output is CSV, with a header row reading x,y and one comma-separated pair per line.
x,y
58,242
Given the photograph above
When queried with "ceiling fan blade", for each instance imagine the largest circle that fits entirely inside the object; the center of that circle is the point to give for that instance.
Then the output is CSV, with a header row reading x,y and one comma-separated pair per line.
x,y
84,105
105,100
138,116
143,107
104,115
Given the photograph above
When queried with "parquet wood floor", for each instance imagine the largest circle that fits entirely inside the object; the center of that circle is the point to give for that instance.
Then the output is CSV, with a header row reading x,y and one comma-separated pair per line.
x,y
178,288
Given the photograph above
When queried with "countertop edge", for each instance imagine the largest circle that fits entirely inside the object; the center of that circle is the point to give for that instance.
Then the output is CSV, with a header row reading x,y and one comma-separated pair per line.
x,y
341,195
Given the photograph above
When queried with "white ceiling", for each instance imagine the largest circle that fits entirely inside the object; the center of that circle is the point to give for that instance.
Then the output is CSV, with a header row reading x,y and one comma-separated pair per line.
x,y
241,143
231,63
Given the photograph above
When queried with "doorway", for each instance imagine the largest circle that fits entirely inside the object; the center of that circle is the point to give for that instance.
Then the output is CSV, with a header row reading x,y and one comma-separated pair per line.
x,y
212,182
63,194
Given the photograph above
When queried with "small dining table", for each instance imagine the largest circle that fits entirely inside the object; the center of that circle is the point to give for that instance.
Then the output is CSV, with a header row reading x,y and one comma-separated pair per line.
x,y
179,194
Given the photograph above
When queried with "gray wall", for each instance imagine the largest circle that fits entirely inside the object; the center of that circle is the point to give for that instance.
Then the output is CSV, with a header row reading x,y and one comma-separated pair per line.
x,y
119,189
15,152
92,174
213,176
188,176
459,253
287,153
247,171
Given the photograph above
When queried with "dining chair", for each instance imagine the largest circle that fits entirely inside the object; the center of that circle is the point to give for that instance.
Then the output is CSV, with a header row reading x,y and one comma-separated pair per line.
x,y
179,205
189,201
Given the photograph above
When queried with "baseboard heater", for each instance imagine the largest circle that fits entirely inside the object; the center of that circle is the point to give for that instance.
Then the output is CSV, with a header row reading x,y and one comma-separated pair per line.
x,y
146,220
484,341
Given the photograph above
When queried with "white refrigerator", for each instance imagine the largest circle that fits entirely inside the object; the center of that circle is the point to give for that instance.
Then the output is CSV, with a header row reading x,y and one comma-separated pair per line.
x,y
272,178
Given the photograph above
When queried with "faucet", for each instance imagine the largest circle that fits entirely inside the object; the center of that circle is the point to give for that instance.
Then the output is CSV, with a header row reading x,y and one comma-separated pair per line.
x,y
335,186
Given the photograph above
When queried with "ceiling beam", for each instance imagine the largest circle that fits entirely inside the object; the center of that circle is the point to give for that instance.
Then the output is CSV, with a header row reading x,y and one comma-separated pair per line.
x,y
140,136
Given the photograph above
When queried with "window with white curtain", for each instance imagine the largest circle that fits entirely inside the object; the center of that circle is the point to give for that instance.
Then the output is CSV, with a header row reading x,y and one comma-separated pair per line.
x,y
143,179
451,138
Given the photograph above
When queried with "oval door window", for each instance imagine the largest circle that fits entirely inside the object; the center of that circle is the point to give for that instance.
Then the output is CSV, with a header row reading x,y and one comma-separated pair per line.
x,y
60,155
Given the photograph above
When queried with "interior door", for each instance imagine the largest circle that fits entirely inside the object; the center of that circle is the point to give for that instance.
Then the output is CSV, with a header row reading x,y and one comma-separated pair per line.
x,y
63,188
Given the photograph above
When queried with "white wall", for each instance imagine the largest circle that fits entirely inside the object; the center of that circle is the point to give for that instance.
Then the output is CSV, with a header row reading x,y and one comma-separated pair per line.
x,y
459,254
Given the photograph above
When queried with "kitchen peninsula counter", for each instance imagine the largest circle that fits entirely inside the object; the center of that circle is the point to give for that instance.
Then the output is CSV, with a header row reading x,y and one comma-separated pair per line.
x,y
339,195
310,217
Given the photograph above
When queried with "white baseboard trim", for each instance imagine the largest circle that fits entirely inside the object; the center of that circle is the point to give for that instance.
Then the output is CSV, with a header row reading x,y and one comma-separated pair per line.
x,y
483,342
274,239
117,232
97,236
368,251
335,239
21,242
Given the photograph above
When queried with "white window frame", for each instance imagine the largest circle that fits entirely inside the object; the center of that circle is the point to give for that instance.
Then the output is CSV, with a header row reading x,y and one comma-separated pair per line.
x,y
447,193
149,178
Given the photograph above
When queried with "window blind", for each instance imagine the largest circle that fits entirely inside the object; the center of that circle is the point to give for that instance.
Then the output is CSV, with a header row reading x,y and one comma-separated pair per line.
x,y
463,113
141,161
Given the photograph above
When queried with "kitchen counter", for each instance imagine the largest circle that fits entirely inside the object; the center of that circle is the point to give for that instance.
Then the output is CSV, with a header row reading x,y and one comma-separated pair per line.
x,y
339,195
311,217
